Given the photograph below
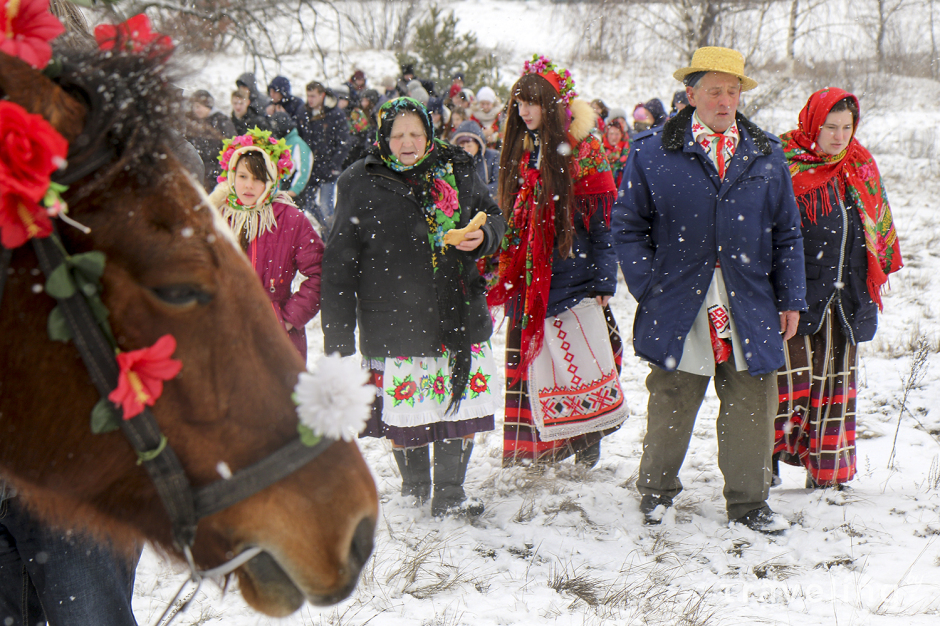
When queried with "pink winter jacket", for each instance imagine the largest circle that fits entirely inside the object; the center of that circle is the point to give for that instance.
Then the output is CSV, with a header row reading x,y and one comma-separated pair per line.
x,y
277,257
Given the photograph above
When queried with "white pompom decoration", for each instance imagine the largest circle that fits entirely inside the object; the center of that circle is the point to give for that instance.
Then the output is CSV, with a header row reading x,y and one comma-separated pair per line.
x,y
334,400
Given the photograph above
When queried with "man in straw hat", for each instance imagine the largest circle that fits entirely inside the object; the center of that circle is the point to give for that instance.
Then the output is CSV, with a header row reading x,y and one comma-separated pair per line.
x,y
708,235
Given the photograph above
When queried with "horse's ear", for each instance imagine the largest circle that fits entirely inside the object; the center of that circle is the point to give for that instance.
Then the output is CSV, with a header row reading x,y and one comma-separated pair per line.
x,y
33,91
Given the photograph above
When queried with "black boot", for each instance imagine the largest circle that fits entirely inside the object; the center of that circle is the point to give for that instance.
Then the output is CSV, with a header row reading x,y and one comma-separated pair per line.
x,y
415,467
589,456
451,458
775,466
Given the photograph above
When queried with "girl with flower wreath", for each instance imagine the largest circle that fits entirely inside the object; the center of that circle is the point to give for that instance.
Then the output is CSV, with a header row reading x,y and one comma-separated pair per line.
x,y
419,303
850,246
278,239
557,271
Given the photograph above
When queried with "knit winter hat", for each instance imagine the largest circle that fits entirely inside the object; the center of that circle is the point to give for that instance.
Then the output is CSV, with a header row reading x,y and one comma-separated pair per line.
x,y
486,94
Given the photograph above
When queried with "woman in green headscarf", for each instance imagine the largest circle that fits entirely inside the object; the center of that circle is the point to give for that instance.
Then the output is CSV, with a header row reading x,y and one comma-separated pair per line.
x,y
419,303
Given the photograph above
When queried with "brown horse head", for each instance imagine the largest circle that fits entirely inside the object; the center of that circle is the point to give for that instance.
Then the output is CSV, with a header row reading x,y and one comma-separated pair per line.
x,y
172,268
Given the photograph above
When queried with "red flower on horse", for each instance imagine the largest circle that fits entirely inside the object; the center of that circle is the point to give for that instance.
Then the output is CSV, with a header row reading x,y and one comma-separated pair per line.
x,y
142,374
28,27
30,150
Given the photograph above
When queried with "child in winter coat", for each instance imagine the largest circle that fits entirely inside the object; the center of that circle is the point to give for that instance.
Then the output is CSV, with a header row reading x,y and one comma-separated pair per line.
x,y
277,238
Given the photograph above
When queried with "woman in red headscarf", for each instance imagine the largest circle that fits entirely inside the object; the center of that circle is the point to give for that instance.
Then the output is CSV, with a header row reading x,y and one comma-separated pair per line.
x,y
850,247
557,270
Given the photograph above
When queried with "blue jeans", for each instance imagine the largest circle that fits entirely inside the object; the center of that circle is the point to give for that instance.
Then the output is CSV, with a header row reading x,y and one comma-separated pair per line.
x,y
328,199
60,576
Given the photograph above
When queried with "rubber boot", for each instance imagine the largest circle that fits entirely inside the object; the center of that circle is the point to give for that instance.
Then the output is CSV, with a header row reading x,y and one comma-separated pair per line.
x,y
415,467
451,458
589,456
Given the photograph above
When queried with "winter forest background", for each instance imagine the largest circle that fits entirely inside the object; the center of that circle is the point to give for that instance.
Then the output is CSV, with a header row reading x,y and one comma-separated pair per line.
x,y
567,546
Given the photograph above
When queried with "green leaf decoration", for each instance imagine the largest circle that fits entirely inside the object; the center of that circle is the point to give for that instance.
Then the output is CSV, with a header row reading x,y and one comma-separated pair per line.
x,y
58,327
60,283
89,264
307,436
104,417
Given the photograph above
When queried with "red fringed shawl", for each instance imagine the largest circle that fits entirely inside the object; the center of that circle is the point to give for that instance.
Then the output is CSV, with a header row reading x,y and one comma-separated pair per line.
x,y
858,178
525,259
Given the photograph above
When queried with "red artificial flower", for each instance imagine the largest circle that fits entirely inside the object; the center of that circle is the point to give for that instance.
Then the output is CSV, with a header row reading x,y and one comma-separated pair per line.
x,y
30,150
21,220
28,27
133,35
142,374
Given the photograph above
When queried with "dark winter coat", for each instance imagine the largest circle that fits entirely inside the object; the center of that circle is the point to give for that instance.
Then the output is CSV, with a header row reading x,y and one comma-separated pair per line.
x,y
486,160
824,248
675,218
206,136
377,268
277,256
291,104
251,120
327,134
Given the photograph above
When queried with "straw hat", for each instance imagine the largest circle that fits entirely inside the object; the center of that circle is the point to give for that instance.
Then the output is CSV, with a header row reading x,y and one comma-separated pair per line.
x,y
715,59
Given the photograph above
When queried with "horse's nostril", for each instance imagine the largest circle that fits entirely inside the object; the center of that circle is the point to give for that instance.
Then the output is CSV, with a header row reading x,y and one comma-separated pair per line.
x,y
361,547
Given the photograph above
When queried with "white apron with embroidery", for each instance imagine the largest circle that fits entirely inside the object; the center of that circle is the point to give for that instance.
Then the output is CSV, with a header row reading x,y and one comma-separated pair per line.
x,y
416,390
573,382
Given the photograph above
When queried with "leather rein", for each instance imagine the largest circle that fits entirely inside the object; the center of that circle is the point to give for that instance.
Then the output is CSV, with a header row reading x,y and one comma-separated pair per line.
x,y
185,505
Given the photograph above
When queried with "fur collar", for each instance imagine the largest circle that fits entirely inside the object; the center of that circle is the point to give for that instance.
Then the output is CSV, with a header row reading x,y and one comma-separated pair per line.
x,y
674,132
583,121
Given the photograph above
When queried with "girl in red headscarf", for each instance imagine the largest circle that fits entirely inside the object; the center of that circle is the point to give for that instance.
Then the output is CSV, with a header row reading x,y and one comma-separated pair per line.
x,y
850,247
557,270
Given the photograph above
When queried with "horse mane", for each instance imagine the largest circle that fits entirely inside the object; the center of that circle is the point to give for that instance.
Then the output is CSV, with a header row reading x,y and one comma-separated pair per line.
x,y
133,116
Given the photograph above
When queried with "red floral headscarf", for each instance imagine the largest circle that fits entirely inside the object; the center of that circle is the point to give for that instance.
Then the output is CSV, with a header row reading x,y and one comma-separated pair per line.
x,y
856,174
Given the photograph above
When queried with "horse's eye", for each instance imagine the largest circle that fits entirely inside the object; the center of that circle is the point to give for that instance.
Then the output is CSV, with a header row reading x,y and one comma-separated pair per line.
x,y
181,295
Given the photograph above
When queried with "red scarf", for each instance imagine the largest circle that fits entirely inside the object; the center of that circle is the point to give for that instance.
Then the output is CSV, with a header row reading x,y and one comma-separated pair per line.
x,y
525,260
857,177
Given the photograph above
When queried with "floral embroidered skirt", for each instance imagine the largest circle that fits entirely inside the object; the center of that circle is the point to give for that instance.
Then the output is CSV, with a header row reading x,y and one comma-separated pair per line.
x,y
815,424
521,441
414,393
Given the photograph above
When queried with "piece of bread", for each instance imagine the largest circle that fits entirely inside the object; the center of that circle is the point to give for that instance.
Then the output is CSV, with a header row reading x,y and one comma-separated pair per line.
x,y
456,235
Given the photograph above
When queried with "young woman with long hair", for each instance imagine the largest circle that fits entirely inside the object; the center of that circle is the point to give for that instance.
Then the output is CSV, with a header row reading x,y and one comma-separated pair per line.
x,y
557,271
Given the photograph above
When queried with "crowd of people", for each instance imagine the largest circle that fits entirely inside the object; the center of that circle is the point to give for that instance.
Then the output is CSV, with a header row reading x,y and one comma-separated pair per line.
x,y
756,261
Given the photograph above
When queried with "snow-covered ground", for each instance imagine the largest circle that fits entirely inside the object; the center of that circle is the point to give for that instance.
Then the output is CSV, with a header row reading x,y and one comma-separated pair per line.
x,y
567,546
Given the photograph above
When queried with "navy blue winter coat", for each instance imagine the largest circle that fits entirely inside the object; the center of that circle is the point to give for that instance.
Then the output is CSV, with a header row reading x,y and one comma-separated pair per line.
x,y
590,270
291,104
837,237
675,218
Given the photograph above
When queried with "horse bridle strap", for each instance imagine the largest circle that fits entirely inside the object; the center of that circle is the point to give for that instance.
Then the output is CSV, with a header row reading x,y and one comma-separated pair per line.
x,y
184,505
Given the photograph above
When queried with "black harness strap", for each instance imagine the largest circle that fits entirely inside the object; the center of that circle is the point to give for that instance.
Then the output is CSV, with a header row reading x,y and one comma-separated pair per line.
x,y
142,431
6,254
222,494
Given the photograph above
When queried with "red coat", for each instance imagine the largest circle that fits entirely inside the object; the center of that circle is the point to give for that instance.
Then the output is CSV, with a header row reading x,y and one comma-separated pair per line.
x,y
277,256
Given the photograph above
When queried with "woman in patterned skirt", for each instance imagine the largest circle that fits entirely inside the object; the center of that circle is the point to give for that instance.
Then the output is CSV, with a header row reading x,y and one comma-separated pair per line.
x,y
850,247
557,271
419,303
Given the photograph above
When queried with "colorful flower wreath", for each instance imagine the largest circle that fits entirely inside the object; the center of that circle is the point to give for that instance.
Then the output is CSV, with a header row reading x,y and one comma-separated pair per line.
x,y
559,77
277,150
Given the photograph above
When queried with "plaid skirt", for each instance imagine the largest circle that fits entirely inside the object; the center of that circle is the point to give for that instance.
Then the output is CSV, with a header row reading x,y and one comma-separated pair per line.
x,y
815,423
521,442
